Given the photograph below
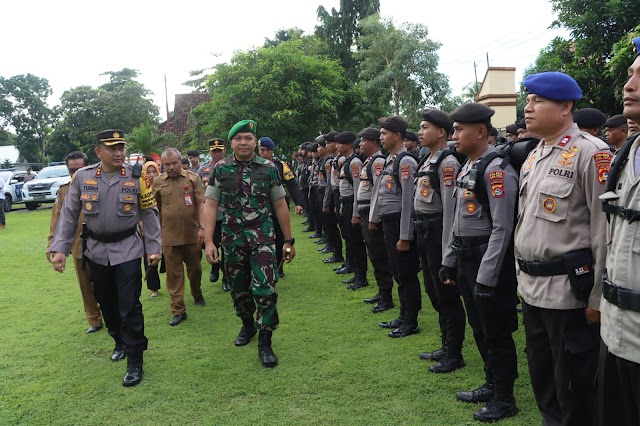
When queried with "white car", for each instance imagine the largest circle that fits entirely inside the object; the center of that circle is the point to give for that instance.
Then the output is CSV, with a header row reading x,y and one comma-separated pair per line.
x,y
13,182
44,188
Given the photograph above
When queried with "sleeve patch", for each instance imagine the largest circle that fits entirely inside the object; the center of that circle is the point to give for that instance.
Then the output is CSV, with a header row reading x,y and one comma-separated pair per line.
x,y
497,184
404,171
377,168
603,164
447,175
355,170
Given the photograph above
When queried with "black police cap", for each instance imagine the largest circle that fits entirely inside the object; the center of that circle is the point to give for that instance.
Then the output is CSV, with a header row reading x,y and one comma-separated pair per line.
x,y
370,133
394,124
346,137
472,113
111,137
438,118
305,146
193,153
589,118
616,121
521,124
411,136
320,138
512,129
313,147
331,136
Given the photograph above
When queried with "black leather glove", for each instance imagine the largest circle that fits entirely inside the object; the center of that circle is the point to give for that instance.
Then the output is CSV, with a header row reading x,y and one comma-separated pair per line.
x,y
484,293
447,273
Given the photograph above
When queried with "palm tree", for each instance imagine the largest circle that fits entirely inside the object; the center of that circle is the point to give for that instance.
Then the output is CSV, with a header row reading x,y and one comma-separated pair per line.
x,y
145,139
470,91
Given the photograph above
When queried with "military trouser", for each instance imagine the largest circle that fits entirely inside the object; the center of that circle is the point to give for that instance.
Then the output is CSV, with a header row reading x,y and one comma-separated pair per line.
x,y
404,266
321,217
377,250
277,229
91,308
313,209
356,241
445,299
492,322
618,390
117,289
345,230
217,238
332,233
174,257
251,273
562,354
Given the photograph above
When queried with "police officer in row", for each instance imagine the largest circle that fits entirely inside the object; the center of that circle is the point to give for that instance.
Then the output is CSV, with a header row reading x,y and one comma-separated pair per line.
x,y
370,177
216,150
618,394
114,199
329,205
560,243
433,206
590,120
479,258
616,131
391,207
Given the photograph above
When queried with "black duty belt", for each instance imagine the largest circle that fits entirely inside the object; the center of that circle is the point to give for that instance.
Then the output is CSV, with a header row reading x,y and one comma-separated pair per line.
x,y
426,216
625,213
388,216
542,269
345,199
468,242
112,238
364,202
622,297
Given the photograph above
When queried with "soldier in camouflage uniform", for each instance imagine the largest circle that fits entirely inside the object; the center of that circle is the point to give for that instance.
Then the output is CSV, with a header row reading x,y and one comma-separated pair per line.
x,y
245,185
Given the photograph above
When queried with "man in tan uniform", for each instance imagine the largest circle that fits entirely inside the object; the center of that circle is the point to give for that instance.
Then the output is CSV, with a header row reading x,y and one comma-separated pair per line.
x,y
75,161
619,369
180,197
560,247
114,199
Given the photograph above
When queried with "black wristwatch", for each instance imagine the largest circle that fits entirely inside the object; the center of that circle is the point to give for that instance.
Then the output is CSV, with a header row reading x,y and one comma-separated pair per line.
x,y
292,241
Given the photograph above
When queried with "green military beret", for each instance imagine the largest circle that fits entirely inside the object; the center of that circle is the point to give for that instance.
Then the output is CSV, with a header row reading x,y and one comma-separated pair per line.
x,y
243,126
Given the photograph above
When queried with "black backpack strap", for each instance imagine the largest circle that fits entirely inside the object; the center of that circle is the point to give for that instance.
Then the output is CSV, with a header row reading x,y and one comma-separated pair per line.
x,y
346,165
396,164
475,183
369,166
434,166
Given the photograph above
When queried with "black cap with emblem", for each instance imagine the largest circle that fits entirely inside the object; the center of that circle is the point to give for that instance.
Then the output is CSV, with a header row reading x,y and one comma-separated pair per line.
x,y
473,113
111,137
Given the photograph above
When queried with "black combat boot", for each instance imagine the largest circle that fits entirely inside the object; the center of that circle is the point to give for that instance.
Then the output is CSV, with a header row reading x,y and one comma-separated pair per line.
x,y
265,352
436,355
451,362
482,394
501,406
134,373
247,331
373,299
385,303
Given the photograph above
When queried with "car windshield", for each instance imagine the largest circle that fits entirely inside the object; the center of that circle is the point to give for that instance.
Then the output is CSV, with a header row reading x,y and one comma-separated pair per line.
x,y
53,172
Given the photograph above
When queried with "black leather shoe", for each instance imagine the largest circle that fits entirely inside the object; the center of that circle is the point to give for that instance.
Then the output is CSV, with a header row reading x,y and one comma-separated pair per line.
x,y
346,270
118,354
358,284
381,307
436,355
214,276
281,273
395,323
404,331
336,268
93,329
322,240
199,301
247,332
177,319
496,410
326,249
134,374
373,299
315,235
482,394
447,365
306,222
349,280
308,229
333,259
265,352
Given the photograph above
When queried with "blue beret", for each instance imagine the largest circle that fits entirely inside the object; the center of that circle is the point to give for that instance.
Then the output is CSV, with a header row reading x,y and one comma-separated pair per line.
x,y
267,142
556,86
636,46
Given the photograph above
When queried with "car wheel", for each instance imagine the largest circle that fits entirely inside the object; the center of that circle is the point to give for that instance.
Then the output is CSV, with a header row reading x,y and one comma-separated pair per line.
x,y
32,206
7,202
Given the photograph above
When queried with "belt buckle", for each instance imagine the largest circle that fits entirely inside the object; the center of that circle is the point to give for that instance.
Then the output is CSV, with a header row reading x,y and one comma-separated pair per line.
x,y
610,291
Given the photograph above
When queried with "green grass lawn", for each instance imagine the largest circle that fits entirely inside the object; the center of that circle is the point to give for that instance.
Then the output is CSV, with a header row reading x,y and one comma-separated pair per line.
x,y
336,366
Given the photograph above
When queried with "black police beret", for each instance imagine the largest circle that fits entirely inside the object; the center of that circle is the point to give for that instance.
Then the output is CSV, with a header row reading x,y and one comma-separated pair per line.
x,y
356,144
346,137
193,153
616,121
493,132
438,118
331,136
521,124
370,133
320,138
589,118
313,147
321,142
305,146
472,113
411,136
512,129
394,123
111,137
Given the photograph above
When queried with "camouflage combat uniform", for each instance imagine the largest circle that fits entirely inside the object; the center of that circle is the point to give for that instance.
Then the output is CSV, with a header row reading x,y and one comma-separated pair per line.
x,y
245,191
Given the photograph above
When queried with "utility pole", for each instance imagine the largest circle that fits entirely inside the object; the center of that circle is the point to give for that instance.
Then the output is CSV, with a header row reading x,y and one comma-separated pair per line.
x,y
166,100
